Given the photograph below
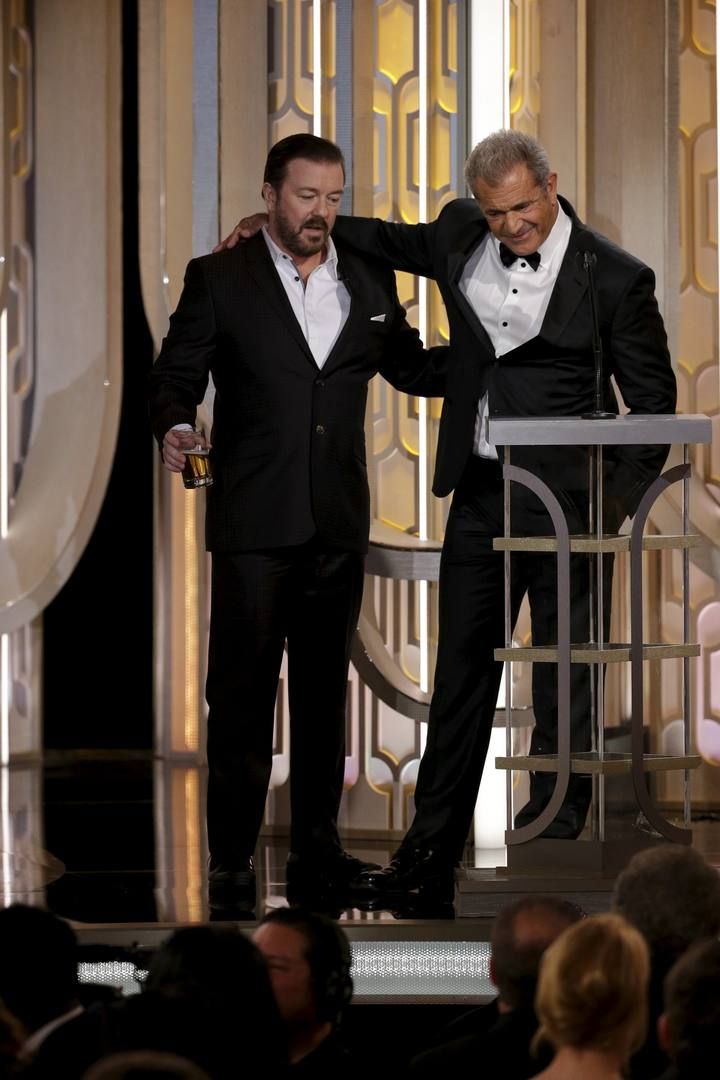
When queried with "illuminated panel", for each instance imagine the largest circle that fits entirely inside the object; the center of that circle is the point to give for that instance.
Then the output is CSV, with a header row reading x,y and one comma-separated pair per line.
x,y
697,371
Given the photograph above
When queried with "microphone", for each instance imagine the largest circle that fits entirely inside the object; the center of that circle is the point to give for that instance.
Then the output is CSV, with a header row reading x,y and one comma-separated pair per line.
x,y
589,261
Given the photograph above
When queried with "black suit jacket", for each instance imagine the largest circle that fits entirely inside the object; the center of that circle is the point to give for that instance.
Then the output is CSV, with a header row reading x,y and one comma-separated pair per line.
x,y
553,374
288,453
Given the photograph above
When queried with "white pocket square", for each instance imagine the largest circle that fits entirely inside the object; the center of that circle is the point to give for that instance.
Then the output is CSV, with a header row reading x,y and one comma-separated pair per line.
x,y
377,318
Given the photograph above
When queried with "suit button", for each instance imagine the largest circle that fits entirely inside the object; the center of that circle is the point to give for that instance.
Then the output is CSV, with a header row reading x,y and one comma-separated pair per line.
x,y
320,383
320,430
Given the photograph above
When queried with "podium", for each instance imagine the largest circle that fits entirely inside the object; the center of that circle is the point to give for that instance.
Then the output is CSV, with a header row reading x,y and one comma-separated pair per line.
x,y
530,857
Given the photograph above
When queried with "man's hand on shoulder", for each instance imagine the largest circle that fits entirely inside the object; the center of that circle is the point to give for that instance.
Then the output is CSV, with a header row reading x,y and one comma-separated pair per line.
x,y
244,229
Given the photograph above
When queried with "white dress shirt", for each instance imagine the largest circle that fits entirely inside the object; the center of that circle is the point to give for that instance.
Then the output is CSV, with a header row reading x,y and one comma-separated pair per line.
x,y
511,301
321,305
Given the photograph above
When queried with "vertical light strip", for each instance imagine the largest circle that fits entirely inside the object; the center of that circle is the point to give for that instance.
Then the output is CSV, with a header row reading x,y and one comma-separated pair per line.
x,y
489,60
489,94
4,435
717,113
193,846
192,624
581,108
317,66
5,818
423,325
4,700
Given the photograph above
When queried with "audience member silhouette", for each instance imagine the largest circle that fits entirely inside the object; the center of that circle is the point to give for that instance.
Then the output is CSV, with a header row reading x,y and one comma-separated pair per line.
x,y
499,1034
591,999
672,895
208,998
689,1027
39,985
309,960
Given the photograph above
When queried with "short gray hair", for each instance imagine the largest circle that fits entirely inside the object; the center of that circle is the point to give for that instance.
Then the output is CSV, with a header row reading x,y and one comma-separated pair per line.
x,y
499,153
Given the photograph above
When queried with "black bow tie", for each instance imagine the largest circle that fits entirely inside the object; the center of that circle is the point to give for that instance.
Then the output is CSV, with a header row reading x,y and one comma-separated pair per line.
x,y
508,257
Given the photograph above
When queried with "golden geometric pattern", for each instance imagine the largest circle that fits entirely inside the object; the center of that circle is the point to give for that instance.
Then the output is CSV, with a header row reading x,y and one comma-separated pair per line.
x,y
697,365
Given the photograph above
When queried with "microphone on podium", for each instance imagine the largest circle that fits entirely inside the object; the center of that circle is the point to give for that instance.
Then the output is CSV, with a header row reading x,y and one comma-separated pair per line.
x,y
588,258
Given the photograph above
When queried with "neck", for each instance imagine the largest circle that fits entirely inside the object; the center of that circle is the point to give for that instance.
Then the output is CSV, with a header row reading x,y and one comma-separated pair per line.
x,y
303,1040
570,1063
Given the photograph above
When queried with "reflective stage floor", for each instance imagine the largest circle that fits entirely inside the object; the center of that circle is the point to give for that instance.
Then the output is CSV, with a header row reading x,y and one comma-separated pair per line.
x,y
116,845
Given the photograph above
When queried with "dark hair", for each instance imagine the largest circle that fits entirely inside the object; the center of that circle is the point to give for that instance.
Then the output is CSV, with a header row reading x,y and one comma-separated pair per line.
x,y
303,145
692,1006
208,987
38,972
328,956
520,935
673,897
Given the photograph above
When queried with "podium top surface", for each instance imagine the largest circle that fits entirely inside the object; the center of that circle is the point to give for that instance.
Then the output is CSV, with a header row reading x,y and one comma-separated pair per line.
x,y
622,430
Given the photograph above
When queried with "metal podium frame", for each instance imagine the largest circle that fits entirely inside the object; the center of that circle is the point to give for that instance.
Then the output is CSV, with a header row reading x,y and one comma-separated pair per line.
x,y
596,434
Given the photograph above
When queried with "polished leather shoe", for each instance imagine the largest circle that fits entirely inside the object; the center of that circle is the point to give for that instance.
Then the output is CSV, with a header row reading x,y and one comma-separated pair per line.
x,y
232,884
318,873
425,870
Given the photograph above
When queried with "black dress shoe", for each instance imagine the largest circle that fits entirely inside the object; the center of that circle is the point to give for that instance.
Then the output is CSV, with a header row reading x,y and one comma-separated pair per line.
x,y
337,871
567,824
232,884
426,870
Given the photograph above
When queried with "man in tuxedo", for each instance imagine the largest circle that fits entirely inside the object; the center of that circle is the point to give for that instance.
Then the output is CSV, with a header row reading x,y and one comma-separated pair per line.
x,y
510,269
291,329
509,266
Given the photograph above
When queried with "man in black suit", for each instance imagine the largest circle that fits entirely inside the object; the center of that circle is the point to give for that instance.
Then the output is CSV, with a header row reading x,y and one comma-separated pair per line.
x,y
500,1034
291,329
508,264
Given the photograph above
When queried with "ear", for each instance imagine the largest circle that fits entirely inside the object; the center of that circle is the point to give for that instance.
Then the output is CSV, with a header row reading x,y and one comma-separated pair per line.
x,y
269,195
552,187
663,1032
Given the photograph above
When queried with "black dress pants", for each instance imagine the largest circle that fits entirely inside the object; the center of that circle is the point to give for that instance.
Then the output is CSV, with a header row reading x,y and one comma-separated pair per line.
x,y
471,627
309,597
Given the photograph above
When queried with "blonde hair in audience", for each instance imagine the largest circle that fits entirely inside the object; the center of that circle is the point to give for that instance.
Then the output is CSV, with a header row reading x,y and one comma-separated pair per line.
x,y
592,991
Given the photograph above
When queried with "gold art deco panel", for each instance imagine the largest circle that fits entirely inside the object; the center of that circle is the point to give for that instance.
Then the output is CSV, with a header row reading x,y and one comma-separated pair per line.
x,y
400,475
697,365
525,65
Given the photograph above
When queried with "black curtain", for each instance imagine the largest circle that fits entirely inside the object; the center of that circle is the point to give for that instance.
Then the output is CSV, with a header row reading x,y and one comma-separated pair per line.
x,y
97,633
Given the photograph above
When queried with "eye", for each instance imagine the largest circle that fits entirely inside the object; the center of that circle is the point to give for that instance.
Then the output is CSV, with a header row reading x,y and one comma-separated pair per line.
x,y
334,200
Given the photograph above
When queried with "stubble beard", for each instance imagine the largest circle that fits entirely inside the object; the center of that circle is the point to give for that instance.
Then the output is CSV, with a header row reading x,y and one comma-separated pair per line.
x,y
294,241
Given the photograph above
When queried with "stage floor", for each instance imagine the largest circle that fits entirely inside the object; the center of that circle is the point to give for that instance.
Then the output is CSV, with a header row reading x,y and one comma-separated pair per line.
x,y
116,845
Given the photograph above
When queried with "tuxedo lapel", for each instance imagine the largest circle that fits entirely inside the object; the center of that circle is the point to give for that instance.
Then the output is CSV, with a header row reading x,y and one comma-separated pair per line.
x,y
570,287
260,267
456,264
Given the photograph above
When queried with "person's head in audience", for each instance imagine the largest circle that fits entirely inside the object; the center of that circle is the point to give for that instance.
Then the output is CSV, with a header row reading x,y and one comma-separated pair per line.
x,y
38,965
591,997
520,935
309,960
672,895
145,1065
207,993
689,1027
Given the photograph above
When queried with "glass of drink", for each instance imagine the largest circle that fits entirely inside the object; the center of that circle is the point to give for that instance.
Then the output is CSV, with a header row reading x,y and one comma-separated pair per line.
x,y
197,471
